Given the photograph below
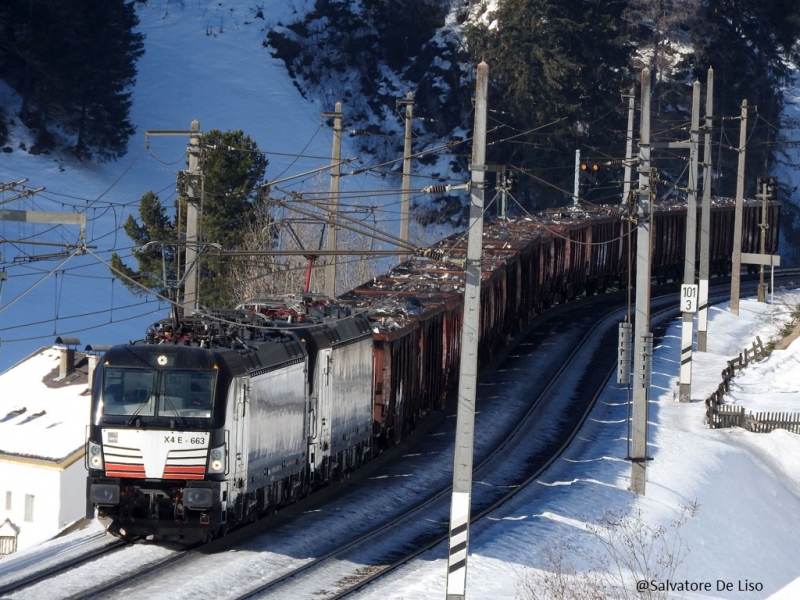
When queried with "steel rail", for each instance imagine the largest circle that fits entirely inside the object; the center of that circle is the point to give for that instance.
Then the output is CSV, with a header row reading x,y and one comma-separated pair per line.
x,y
661,315
379,571
32,578
401,522
369,573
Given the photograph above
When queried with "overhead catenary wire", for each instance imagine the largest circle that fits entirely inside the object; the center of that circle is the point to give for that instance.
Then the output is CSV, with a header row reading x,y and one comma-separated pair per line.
x,y
93,313
81,329
91,203
378,235
209,314
39,282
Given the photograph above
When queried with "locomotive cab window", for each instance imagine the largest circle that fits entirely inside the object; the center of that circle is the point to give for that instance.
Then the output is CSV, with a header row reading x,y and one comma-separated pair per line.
x,y
186,394
129,392
150,393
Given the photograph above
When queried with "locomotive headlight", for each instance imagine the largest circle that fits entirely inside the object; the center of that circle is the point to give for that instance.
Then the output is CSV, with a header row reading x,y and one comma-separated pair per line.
x,y
95,456
216,462
101,493
198,497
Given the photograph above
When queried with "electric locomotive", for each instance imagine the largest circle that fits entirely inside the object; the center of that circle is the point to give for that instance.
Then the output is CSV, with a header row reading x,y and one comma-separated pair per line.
x,y
210,422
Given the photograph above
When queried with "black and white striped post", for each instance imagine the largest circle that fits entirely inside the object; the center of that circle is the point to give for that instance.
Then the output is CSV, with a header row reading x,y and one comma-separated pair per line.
x,y
641,323
468,377
689,287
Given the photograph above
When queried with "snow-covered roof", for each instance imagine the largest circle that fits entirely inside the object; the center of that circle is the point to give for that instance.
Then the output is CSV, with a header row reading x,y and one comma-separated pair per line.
x,y
8,529
43,416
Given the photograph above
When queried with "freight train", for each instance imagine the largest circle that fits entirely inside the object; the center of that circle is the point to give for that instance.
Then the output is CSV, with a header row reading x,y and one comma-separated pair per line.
x,y
212,421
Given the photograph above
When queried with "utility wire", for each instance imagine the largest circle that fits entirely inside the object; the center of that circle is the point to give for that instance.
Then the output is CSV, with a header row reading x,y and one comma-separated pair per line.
x,y
35,285
78,316
82,328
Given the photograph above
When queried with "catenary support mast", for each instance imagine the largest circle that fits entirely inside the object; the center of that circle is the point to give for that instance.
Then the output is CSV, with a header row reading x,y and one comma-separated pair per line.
x,y
192,190
705,221
690,253
628,170
404,198
468,377
191,294
736,259
641,383
330,268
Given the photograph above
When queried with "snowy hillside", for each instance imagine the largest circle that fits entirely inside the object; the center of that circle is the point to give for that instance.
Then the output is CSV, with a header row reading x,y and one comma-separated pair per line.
x,y
205,61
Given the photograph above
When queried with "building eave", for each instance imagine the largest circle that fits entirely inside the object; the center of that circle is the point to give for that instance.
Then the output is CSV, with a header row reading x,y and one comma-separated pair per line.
x,y
43,461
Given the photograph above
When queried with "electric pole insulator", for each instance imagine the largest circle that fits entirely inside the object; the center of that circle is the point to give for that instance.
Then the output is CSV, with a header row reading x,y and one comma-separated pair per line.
x,y
646,354
768,186
625,353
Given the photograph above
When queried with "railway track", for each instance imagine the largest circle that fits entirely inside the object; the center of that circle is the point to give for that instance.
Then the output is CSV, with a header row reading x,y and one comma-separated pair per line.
x,y
423,528
61,560
379,548
130,581
426,525
396,540
75,576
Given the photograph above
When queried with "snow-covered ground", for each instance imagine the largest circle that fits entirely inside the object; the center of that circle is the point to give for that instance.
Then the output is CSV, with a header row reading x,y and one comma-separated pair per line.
x,y
731,496
738,492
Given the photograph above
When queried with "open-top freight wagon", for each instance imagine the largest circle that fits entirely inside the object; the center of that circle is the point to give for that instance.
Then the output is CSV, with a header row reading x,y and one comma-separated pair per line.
x,y
211,422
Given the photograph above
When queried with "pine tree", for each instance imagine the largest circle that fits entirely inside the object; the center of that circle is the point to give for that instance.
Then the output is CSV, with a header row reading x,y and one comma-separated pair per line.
x,y
233,169
557,70
155,234
748,43
97,110
74,64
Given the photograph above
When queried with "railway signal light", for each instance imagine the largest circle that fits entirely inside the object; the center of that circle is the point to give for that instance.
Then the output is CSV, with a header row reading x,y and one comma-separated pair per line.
x,y
588,178
590,172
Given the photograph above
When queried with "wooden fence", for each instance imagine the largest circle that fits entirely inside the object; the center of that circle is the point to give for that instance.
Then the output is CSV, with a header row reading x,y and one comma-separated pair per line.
x,y
730,415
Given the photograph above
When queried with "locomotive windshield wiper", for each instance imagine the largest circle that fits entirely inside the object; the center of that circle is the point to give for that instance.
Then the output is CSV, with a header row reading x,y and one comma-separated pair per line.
x,y
174,410
136,414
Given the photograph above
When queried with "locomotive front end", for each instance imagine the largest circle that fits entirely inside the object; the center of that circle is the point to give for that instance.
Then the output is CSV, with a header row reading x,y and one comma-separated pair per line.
x,y
157,452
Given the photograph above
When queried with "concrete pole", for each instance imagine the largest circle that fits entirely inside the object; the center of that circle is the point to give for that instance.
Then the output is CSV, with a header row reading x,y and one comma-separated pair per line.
x,y
330,267
628,173
736,260
705,221
641,388
404,198
468,375
576,188
687,331
191,289
764,225
503,195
